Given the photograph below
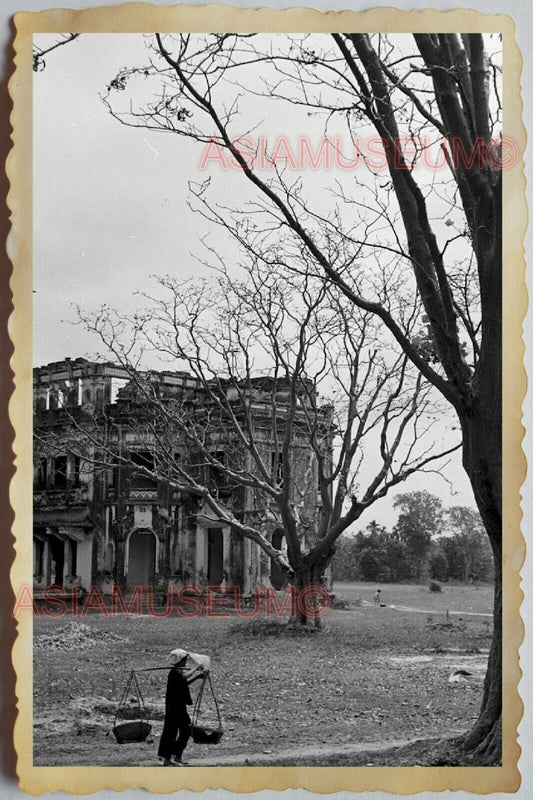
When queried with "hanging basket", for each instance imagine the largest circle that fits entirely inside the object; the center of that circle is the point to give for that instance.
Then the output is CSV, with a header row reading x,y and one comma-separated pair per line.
x,y
205,734
202,735
136,729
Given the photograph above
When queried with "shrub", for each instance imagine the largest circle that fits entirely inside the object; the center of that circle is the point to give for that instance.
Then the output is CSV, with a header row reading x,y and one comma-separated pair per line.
x,y
266,627
434,586
339,602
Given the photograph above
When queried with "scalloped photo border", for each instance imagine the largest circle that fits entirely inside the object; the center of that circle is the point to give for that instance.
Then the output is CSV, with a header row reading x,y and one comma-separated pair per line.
x,y
144,18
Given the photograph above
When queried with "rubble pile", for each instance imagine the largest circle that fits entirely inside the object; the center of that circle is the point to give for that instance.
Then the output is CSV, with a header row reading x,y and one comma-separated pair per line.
x,y
75,636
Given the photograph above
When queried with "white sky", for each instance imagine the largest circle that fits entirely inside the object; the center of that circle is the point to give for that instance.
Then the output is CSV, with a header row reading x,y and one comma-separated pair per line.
x,y
110,210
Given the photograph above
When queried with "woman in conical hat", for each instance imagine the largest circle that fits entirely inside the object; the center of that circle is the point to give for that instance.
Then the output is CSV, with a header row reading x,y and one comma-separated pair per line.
x,y
177,725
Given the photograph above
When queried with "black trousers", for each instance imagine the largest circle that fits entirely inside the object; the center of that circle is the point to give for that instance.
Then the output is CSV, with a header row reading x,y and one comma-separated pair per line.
x,y
175,736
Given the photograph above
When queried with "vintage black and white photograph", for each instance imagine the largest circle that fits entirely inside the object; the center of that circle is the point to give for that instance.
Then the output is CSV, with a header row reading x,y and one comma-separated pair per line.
x,y
267,399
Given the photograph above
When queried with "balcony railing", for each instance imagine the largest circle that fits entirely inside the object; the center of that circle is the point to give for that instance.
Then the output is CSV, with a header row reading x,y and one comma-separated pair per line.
x,y
142,494
57,498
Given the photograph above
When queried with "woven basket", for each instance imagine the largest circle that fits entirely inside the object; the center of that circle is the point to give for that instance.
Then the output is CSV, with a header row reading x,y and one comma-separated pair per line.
x,y
136,731
201,735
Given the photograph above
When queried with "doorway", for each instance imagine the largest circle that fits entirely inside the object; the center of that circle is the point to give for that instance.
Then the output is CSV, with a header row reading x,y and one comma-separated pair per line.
x,y
141,559
57,561
215,556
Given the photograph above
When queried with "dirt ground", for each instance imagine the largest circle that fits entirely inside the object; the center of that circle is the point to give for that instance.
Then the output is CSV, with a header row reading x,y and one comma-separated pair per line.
x,y
363,690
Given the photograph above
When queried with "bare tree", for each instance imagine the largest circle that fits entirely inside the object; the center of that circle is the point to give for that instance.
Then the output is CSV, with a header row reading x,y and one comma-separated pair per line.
x,y
426,90
39,53
293,415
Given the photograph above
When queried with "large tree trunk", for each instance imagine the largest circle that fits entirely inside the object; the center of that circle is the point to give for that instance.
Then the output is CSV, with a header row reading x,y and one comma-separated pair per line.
x,y
308,608
307,572
302,579
482,461
484,741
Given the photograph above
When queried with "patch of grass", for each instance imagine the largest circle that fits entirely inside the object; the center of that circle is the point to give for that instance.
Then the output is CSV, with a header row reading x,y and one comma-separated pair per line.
x,y
269,627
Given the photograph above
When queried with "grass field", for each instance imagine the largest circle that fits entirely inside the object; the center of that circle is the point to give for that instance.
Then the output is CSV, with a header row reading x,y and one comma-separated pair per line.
x,y
476,599
372,676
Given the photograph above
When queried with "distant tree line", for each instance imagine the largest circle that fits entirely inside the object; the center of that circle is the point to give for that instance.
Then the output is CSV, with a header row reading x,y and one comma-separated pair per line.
x,y
426,542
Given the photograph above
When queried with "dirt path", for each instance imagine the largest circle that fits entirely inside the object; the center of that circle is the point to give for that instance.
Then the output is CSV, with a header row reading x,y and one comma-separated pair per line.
x,y
432,611
298,753
271,758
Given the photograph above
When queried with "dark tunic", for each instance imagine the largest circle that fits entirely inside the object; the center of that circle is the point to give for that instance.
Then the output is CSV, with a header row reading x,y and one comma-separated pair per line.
x,y
177,719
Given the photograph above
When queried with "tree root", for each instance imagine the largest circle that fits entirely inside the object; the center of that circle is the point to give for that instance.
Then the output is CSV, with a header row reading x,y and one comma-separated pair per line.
x,y
485,749
489,751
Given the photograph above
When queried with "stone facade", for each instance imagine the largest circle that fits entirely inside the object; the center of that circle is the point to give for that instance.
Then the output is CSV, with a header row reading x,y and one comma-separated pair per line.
x,y
111,526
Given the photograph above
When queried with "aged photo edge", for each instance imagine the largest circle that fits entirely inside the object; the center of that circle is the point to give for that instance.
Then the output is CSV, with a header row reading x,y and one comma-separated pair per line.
x,y
130,18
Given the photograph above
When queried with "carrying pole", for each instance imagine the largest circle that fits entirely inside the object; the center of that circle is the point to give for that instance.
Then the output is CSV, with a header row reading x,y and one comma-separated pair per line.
x,y
153,669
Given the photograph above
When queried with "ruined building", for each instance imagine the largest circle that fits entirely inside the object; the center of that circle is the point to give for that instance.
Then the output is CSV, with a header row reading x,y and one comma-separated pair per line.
x,y
96,523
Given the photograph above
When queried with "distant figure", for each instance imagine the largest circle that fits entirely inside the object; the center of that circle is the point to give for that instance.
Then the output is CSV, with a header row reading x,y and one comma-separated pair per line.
x,y
377,597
